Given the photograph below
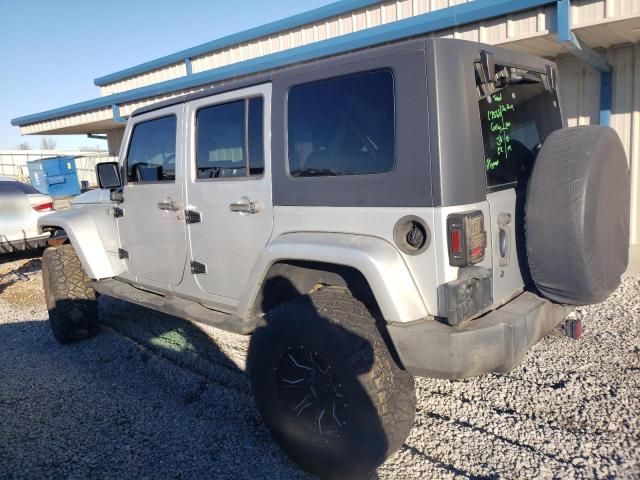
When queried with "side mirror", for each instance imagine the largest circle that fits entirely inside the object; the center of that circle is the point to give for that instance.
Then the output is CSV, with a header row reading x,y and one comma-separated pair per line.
x,y
108,174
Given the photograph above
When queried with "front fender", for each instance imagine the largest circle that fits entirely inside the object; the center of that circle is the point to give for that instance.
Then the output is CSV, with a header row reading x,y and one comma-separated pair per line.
x,y
376,259
83,232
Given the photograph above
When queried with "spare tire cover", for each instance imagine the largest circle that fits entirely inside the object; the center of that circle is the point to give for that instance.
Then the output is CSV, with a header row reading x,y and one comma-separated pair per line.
x,y
577,215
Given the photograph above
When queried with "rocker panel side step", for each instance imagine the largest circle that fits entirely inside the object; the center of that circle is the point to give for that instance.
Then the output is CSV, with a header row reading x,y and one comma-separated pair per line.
x,y
176,306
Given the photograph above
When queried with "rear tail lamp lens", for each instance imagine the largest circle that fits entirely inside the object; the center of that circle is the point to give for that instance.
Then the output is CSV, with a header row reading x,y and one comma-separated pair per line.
x,y
467,238
43,207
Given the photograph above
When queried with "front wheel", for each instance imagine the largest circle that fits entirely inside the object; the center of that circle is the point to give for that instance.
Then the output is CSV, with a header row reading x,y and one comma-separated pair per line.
x,y
71,300
327,387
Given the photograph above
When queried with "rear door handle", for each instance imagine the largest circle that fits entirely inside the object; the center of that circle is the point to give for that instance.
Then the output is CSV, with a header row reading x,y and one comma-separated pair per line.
x,y
168,205
244,205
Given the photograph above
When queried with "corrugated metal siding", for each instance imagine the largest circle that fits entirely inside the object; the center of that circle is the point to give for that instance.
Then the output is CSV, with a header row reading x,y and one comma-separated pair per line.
x,y
94,116
114,139
635,150
385,12
580,99
155,76
590,12
530,31
515,27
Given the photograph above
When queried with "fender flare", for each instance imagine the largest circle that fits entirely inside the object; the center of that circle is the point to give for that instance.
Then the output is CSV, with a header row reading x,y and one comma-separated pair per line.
x,y
83,233
376,259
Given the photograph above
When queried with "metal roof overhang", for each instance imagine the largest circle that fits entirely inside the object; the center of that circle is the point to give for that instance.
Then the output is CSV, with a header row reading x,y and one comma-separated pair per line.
x,y
102,114
304,18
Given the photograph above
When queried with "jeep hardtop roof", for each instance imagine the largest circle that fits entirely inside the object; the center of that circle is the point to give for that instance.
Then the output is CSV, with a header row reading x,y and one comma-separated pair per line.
x,y
463,48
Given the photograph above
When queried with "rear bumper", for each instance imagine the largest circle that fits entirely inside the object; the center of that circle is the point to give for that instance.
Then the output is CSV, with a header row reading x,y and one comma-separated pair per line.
x,y
8,246
496,342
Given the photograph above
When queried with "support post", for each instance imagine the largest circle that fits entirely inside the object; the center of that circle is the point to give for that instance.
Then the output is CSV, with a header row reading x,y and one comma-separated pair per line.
x,y
606,97
115,109
577,48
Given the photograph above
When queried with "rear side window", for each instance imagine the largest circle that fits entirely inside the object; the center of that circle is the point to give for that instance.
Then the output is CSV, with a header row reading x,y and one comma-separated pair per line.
x,y
11,188
229,140
342,126
152,151
516,119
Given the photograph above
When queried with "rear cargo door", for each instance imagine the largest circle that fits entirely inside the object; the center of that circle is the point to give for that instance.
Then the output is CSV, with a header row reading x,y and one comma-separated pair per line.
x,y
517,113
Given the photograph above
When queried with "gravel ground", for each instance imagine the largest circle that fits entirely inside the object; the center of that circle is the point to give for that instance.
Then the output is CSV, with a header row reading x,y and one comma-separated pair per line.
x,y
155,397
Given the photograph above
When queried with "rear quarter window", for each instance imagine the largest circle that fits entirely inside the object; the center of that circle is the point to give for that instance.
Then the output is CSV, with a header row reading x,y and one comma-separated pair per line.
x,y
342,126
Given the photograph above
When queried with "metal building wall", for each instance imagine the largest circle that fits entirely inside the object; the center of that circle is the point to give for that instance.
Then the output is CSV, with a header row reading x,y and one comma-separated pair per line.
x,y
580,100
114,139
353,21
513,28
599,22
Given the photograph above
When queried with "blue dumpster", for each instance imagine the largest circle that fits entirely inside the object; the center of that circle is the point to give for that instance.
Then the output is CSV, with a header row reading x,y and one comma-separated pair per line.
x,y
56,176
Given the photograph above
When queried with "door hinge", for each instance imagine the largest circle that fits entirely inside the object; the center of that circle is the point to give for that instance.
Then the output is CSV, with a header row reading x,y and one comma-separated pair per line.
x,y
197,267
122,253
118,212
191,216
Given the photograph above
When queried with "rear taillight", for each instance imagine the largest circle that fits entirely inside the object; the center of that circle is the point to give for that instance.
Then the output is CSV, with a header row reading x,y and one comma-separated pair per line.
x,y
43,207
466,238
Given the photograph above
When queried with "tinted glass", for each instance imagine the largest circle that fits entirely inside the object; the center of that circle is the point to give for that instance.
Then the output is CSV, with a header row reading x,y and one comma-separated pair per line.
x,y
256,138
220,141
230,136
342,126
152,151
516,119
108,175
11,188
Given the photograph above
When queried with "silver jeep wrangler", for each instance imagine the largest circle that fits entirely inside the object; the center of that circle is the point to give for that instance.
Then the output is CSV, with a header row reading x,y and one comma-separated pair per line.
x,y
417,208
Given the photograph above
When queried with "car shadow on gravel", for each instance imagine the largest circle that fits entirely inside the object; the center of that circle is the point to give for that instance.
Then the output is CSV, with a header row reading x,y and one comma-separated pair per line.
x,y
21,255
208,369
153,399
22,272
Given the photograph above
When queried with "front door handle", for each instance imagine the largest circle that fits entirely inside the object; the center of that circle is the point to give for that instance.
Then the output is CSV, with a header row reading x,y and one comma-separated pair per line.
x,y
168,205
244,205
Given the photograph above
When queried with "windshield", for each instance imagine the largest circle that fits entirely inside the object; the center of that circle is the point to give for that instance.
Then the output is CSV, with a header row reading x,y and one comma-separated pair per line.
x,y
516,117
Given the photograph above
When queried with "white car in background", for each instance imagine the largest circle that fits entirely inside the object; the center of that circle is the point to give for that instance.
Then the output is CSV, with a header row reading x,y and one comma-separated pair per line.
x,y
20,207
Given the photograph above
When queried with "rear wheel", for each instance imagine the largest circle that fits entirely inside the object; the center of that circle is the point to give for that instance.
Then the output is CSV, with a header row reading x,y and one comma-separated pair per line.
x,y
327,387
71,300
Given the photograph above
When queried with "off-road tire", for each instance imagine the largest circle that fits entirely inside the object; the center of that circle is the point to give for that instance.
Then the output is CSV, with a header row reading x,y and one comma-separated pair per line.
x,y
379,396
71,300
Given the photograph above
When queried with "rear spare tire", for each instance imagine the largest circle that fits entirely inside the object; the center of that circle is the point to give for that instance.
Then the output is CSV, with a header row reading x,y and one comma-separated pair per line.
x,y
71,300
577,215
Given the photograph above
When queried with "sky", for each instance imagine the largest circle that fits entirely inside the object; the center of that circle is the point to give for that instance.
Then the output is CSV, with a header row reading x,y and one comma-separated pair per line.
x,y
51,51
